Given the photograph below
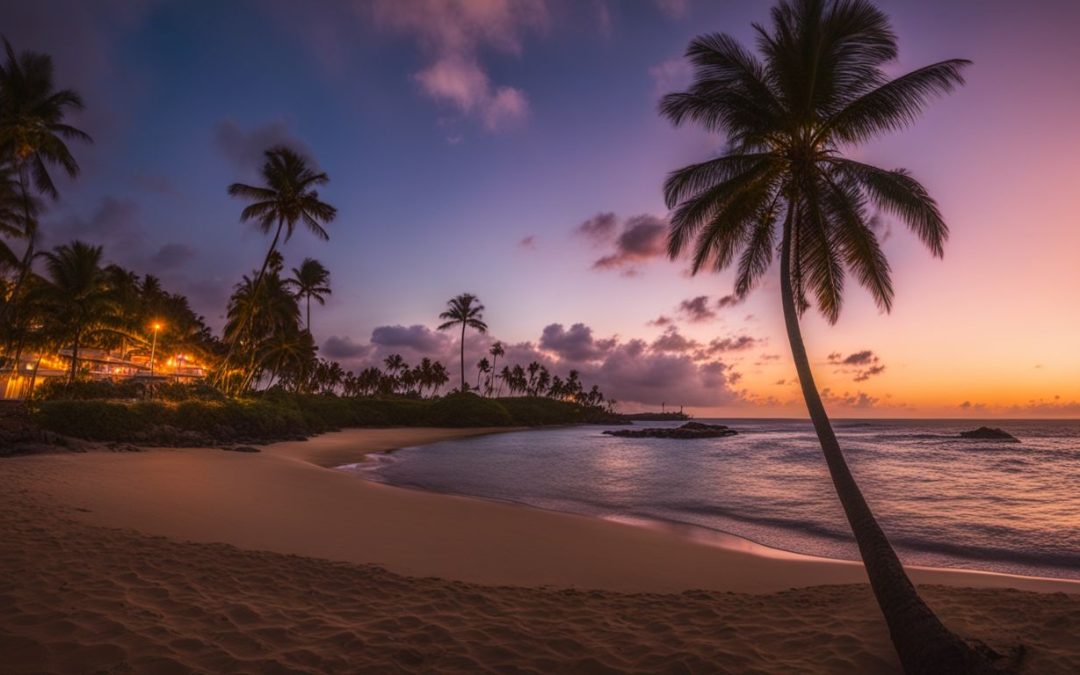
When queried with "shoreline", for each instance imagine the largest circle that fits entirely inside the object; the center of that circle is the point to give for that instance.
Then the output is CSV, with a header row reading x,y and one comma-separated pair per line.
x,y
179,560
323,512
689,532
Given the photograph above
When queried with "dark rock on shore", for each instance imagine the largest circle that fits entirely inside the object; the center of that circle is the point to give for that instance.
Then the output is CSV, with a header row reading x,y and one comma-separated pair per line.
x,y
986,433
240,448
686,431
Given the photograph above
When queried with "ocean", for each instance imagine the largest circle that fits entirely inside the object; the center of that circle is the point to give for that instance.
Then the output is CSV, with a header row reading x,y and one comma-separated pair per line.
x,y
942,500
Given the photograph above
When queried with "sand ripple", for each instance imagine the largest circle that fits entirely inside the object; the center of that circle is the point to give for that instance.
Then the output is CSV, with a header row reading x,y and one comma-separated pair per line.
x,y
85,599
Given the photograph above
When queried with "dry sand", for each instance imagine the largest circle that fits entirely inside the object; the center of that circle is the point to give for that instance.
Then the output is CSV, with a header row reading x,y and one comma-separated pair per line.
x,y
181,560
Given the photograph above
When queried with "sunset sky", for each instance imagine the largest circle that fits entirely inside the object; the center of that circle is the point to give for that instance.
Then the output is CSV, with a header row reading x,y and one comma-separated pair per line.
x,y
512,149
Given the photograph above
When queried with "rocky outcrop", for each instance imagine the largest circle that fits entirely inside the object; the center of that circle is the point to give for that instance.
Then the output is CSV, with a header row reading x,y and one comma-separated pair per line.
x,y
988,434
687,431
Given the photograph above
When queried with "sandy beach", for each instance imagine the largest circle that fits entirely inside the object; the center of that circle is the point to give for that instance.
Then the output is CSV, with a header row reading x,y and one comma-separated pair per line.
x,y
210,561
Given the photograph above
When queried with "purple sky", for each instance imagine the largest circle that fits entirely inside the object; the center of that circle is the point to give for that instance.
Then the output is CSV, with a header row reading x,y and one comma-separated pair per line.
x,y
513,150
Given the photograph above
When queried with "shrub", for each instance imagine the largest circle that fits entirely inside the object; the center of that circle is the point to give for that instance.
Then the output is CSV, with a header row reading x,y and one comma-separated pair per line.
x,y
98,420
468,410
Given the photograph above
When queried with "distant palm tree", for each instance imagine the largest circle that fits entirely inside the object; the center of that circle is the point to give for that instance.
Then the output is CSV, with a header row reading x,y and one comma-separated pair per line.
x,y
310,281
467,311
33,135
496,350
288,197
818,89
76,294
482,368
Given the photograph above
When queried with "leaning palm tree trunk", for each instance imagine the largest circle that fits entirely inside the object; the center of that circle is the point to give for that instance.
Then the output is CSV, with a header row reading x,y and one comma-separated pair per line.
x,y
463,325
922,642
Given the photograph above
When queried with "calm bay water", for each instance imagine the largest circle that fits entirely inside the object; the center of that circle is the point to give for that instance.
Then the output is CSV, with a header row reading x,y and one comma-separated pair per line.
x,y
943,501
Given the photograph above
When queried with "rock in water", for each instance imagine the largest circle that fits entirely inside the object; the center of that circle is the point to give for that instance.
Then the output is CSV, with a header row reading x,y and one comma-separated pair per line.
x,y
986,433
686,431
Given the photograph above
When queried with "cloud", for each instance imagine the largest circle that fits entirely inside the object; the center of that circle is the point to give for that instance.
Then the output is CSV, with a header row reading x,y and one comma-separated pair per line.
x,y
732,344
729,301
599,229
858,400
862,364
696,310
528,242
575,344
452,34
343,347
674,74
245,149
643,238
418,338
661,320
115,224
673,341
673,9
171,256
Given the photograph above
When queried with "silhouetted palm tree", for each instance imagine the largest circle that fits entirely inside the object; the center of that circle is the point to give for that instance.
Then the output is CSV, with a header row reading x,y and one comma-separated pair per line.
x,y
496,350
33,135
467,311
287,198
818,88
310,281
76,294
482,368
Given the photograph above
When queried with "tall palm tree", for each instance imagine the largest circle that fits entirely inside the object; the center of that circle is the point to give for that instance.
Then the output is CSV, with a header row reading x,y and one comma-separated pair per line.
x,y
287,198
33,135
817,88
310,281
76,294
467,311
496,350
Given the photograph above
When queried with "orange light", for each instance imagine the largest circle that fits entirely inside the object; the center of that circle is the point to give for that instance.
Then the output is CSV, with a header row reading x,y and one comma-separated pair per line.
x,y
157,326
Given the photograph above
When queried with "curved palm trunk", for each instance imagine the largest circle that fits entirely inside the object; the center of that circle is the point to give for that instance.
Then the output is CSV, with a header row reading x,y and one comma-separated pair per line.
x,y
491,379
463,357
922,642
254,299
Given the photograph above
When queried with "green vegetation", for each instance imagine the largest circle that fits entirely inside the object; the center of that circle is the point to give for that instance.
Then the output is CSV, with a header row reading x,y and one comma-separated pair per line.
x,y
281,416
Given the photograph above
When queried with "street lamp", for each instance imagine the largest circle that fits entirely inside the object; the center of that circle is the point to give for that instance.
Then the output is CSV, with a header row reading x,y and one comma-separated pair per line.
x,y
153,346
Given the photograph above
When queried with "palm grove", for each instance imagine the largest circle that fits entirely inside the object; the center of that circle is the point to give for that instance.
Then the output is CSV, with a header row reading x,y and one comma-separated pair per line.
x,y
58,303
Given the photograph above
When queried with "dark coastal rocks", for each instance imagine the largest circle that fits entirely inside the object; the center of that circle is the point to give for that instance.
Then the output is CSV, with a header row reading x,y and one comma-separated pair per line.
x,y
687,431
239,448
989,434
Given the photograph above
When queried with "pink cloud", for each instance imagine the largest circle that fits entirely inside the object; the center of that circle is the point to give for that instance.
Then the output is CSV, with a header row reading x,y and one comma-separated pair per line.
x,y
454,33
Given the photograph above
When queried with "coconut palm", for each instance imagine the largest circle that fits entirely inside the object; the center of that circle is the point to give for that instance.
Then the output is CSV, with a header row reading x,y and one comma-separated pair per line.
x,y
483,367
287,198
496,350
76,295
310,281
817,89
33,135
467,311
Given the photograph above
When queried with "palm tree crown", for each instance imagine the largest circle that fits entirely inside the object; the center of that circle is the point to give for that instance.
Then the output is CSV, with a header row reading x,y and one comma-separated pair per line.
x,y
464,310
819,88
288,196
310,281
76,294
32,110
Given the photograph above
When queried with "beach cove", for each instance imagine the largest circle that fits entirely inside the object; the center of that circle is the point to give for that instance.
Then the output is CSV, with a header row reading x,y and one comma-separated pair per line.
x,y
202,560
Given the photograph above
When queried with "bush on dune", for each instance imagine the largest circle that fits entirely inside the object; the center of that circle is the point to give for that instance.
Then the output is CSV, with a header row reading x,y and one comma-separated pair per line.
x,y
468,410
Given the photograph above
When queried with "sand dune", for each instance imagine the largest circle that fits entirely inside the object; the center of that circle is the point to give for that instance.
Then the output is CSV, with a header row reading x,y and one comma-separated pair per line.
x,y
86,587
